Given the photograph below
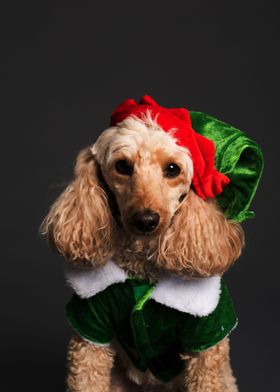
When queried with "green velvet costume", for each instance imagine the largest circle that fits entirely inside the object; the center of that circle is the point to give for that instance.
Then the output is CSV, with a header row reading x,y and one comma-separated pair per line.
x,y
155,323
152,333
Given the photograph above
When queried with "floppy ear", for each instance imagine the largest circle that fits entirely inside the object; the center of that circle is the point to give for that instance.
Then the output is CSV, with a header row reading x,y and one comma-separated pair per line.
x,y
79,223
201,241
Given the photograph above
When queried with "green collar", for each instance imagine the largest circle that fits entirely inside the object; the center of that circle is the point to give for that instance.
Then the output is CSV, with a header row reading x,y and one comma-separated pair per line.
x,y
196,296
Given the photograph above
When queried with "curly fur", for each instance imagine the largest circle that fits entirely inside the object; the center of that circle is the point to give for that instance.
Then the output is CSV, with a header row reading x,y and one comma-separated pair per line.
x,y
89,366
213,243
80,224
199,242
210,370
91,369
193,238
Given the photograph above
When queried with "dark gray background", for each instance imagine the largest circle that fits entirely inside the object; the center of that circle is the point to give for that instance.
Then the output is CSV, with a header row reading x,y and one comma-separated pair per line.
x,y
64,68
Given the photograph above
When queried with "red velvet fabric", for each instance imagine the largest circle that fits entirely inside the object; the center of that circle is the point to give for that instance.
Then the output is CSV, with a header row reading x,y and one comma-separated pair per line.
x,y
207,181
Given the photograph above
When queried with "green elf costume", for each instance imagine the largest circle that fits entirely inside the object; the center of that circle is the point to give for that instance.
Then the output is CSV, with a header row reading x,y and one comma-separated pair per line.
x,y
157,322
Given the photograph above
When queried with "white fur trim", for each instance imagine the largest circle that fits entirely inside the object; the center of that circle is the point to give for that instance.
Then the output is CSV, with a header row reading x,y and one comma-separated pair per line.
x,y
96,344
90,281
198,297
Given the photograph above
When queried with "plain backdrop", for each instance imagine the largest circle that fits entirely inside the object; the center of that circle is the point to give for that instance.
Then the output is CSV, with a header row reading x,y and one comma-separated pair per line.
x,y
64,67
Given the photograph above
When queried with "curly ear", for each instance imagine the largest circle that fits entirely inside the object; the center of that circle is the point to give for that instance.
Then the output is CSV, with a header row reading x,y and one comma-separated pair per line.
x,y
79,223
201,241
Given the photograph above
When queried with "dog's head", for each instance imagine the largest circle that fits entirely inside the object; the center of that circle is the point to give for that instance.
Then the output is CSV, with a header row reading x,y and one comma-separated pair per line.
x,y
135,181
148,173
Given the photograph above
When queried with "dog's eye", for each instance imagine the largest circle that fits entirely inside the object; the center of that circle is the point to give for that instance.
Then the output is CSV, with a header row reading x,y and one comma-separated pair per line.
x,y
124,167
172,170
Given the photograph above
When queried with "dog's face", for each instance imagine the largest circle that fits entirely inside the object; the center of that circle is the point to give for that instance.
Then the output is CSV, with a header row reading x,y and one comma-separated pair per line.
x,y
149,177
148,173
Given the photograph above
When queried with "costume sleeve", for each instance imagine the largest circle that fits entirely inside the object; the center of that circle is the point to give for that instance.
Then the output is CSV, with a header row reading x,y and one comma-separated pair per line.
x,y
90,318
201,333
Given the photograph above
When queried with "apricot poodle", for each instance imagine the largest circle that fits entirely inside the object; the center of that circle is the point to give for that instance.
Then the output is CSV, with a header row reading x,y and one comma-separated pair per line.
x,y
129,220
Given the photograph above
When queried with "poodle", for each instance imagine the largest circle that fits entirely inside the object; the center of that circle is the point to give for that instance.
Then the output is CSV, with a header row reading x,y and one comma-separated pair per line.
x,y
139,240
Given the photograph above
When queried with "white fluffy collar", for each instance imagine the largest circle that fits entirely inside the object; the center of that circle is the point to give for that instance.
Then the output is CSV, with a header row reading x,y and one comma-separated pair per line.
x,y
198,297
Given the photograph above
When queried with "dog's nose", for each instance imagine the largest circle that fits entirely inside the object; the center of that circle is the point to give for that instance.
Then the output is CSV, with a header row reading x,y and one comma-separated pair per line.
x,y
146,220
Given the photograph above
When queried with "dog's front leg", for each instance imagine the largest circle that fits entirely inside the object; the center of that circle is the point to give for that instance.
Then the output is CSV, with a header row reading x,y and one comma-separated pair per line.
x,y
89,366
209,371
